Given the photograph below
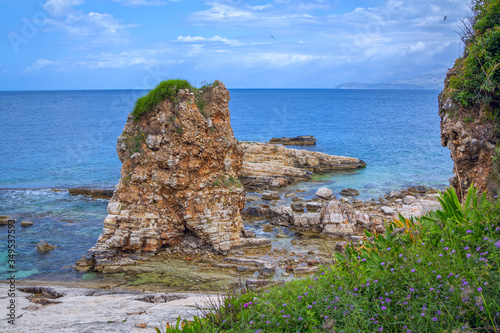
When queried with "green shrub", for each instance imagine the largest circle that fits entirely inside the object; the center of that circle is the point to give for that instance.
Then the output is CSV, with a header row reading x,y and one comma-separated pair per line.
x,y
477,79
166,89
169,89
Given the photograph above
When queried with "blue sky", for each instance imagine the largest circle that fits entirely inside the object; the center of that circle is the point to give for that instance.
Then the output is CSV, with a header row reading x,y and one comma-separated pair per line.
x,y
123,44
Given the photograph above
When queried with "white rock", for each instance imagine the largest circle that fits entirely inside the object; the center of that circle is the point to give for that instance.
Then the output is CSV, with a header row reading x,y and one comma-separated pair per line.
x,y
388,210
324,193
408,200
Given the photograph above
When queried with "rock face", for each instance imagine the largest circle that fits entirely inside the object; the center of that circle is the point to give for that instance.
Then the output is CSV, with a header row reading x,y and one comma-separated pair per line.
x,y
273,166
43,246
302,140
178,180
469,135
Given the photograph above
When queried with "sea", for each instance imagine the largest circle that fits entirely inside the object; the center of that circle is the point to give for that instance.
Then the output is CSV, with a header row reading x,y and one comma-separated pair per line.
x,y
55,140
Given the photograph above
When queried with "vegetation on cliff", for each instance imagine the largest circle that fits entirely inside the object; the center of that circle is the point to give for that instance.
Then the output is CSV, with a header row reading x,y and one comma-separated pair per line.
x,y
438,274
477,79
169,90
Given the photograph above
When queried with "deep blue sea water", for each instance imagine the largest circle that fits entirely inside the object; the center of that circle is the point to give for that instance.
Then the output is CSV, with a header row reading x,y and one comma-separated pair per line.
x,y
65,139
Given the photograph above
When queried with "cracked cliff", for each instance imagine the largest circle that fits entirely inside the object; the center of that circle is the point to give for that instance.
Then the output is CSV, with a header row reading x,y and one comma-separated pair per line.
x,y
180,165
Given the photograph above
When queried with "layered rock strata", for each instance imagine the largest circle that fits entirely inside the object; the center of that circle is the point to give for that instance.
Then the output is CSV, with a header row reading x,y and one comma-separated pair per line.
x,y
178,181
274,166
302,140
469,134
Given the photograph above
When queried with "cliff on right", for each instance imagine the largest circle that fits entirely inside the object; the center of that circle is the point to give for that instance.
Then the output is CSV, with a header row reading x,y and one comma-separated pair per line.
x,y
469,105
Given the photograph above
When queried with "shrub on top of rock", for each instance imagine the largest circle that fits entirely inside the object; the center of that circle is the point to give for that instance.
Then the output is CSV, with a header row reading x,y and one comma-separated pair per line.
x,y
166,89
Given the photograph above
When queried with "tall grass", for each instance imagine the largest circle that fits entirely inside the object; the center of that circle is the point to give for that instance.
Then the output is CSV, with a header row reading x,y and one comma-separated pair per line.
x,y
436,274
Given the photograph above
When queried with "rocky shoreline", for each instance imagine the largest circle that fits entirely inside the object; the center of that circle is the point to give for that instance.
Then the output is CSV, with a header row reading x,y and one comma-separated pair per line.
x,y
44,307
294,243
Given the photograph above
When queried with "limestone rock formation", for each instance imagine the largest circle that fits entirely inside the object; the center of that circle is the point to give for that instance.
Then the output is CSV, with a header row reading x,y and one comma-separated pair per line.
x,y
272,166
301,140
469,135
178,180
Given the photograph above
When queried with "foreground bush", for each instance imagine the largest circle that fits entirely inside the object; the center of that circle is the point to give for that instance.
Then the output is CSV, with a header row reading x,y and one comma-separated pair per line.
x,y
437,274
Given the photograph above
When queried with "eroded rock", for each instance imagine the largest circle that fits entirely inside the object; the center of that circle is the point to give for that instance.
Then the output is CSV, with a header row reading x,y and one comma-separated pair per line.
x,y
178,179
274,166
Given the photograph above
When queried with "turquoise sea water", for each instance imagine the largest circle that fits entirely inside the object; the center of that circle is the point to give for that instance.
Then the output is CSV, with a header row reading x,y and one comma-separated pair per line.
x,y
65,139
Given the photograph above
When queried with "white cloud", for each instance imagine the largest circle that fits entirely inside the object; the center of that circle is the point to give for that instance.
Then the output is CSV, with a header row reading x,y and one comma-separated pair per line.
x,y
139,58
200,39
60,7
142,2
419,47
39,64
277,13
97,27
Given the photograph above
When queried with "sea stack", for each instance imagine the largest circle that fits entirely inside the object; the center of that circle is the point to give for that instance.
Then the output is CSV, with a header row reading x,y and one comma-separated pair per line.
x,y
179,177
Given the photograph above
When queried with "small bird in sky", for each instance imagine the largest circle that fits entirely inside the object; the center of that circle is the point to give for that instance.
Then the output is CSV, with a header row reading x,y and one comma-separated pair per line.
x,y
445,18
272,36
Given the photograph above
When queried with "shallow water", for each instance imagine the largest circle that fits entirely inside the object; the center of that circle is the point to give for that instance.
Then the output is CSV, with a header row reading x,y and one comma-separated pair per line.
x,y
67,139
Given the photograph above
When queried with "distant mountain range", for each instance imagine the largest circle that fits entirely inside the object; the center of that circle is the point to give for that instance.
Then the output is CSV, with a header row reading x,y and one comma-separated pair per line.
x,y
430,80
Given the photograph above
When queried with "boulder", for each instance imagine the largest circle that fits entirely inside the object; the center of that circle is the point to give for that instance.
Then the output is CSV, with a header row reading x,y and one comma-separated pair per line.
x,y
308,220
255,243
283,215
324,193
388,210
248,233
297,207
43,246
25,223
408,200
349,192
271,195
418,189
313,206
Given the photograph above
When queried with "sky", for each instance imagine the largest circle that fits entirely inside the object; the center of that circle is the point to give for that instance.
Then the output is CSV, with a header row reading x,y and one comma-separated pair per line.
x,y
135,44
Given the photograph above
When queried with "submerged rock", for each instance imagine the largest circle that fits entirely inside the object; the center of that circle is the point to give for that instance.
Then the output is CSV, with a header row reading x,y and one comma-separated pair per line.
x,y
4,219
349,192
25,223
43,246
94,193
301,140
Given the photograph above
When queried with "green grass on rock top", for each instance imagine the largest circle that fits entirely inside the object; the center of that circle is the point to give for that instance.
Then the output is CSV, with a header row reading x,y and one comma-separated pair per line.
x,y
166,89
